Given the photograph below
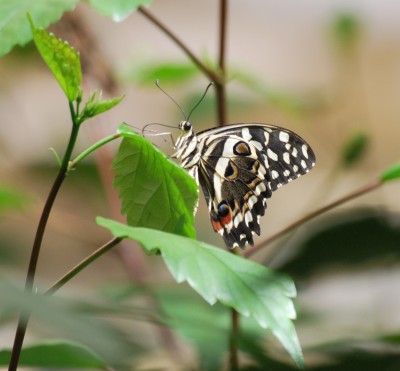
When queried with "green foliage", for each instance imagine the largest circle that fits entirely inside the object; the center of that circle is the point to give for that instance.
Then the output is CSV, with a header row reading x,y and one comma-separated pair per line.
x,y
14,29
118,10
56,353
95,106
11,199
155,192
166,72
217,275
346,30
348,239
354,149
68,318
62,60
392,173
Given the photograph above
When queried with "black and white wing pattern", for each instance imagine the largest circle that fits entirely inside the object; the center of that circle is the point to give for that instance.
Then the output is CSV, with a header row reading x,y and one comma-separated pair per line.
x,y
238,167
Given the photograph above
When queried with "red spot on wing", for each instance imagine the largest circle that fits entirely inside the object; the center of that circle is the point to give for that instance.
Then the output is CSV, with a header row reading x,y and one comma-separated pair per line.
x,y
226,219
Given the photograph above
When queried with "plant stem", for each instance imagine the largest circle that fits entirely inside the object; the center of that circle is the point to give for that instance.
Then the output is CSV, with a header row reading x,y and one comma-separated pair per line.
x,y
220,85
208,72
24,317
357,193
83,264
72,165
233,351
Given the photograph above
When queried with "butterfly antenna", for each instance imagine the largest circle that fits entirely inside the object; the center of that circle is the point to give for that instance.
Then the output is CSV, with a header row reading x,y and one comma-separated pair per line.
x,y
200,100
177,104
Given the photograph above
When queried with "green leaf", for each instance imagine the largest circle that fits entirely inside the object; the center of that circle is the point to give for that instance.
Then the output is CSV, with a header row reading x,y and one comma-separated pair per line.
x,y
346,30
56,353
155,192
12,199
392,173
14,29
354,149
217,275
166,72
62,60
118,10
95,106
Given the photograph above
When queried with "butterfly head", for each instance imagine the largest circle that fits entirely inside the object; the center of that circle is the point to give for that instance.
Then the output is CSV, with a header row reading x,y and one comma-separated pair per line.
x,y
185,126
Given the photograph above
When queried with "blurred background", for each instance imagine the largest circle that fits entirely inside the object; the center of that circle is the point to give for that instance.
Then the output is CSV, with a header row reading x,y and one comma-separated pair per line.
x,y
328,70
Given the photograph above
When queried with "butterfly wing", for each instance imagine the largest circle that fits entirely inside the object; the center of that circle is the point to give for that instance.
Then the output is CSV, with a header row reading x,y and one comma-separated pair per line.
x,y
240,166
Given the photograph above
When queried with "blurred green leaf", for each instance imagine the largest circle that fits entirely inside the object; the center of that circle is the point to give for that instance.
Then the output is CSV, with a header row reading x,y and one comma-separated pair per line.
x,y
12,199
392,173
346,239
354,149
155,192
14,29
69,318
95,105
56,353
167,72
217,275
118,10
346,30
62,60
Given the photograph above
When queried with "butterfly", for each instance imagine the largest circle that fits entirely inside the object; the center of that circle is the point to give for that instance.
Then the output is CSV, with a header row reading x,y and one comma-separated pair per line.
x,y
238,167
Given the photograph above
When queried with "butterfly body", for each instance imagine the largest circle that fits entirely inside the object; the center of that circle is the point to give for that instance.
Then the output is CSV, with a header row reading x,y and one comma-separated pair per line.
x,y
238,167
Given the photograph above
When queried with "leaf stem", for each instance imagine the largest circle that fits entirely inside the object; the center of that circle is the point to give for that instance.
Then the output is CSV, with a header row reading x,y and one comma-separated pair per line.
x,y
207,71
72,164
83,264
24,317
357,193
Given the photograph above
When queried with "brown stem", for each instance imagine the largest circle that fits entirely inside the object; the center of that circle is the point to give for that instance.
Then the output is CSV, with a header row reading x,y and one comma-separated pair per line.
x,y
208,72
37,244
220,85
359,192
83,264
233,351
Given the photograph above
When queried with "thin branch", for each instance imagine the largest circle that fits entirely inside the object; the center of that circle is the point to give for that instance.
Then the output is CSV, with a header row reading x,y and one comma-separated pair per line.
x,y
208,72
220,85
37,244
234,335
357,193
83,264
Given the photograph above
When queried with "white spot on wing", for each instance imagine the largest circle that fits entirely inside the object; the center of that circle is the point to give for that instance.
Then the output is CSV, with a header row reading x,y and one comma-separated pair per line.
x,y
304,149
294,152
295,168
252,201
266,135
256,144
303,164
272,155
246,134
286,157
274,174
283,137
286,173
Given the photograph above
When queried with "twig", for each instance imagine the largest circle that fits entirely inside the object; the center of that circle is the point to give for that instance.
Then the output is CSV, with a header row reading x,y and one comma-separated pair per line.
x,y
234,335
359,192
208,72
220,85
83,264
37,244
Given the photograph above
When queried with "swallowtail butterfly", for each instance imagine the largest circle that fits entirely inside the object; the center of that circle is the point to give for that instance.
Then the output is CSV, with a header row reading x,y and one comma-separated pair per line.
x,y
238,167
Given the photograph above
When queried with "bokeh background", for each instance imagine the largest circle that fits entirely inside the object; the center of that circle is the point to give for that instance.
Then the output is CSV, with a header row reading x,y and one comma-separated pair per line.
x,y
328,70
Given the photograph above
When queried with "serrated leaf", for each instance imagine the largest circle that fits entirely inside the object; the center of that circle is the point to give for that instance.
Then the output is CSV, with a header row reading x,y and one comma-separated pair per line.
x,y
392,173
217,275
155,192
56,353
118,10
62,60
95,106
354,149
14,29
